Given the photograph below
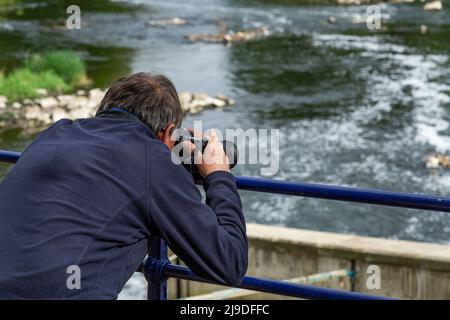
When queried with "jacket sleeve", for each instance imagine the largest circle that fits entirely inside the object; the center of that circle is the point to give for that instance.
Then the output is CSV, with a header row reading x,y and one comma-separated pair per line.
x,y
210,238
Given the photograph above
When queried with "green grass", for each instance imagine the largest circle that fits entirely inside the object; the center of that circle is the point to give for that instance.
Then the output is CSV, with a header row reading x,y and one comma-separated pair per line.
x,y
65,64
23,83
55,71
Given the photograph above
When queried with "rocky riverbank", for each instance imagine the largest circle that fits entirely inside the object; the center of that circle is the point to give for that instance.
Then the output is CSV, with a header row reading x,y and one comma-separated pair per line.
x,y
33,115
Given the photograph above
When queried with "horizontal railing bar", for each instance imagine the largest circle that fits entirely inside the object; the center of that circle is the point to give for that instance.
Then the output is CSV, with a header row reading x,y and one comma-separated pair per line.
x,y
349,194
323,191
238,293
9,156
276,286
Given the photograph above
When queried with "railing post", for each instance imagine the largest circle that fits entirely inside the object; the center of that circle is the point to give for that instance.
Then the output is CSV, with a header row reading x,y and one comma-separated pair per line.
x,y
154,270
353,275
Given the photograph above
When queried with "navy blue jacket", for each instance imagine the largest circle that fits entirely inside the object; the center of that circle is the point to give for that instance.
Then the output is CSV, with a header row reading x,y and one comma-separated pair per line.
x,y
91,193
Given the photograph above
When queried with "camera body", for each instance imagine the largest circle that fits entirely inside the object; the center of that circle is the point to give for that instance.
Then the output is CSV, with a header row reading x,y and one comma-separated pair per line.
x,y
187,161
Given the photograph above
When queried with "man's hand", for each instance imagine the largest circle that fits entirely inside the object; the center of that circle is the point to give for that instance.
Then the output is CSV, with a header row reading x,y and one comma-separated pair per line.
x,y
213,158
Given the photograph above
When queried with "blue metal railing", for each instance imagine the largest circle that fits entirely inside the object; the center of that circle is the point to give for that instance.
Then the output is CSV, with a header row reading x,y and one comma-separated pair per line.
x,y
274,286
157,268
9,156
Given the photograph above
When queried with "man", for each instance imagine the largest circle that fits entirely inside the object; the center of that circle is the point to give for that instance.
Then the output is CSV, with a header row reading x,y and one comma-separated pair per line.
x,y
91,193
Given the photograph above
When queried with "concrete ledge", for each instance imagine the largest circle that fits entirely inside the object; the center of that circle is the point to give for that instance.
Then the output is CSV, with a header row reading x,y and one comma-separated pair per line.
x,y
408,269
435,256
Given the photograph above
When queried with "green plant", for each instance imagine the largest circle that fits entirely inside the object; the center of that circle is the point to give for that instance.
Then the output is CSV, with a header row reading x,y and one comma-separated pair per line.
x,y
23,83
8,7
66,64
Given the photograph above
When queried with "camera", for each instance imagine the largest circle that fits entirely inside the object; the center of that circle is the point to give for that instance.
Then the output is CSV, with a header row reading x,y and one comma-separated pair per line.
x,y
187,160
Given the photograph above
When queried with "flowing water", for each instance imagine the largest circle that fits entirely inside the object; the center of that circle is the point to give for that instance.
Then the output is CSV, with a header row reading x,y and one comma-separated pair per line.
x,y
354,107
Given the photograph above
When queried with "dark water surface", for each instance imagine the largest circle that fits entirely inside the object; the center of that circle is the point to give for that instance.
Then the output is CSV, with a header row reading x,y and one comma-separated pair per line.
x,y
354,107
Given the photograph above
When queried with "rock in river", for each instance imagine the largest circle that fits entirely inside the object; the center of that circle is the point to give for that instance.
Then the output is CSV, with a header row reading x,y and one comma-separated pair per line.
x,y
167,22
436,161
230,36
195,102
433,6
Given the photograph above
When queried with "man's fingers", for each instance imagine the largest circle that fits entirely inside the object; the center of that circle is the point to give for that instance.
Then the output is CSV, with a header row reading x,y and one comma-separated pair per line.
x,y
211,135
214,151
188,146
196,133
212,143
213,158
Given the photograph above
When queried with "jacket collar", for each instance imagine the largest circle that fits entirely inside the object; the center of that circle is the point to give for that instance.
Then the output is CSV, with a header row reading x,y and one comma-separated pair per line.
x,y
119,113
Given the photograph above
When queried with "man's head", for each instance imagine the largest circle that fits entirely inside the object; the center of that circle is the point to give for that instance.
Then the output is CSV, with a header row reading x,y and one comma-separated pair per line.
x,y
151,97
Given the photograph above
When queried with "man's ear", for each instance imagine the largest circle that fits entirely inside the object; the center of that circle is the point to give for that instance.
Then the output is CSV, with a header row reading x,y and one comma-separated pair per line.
x,y
165,136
